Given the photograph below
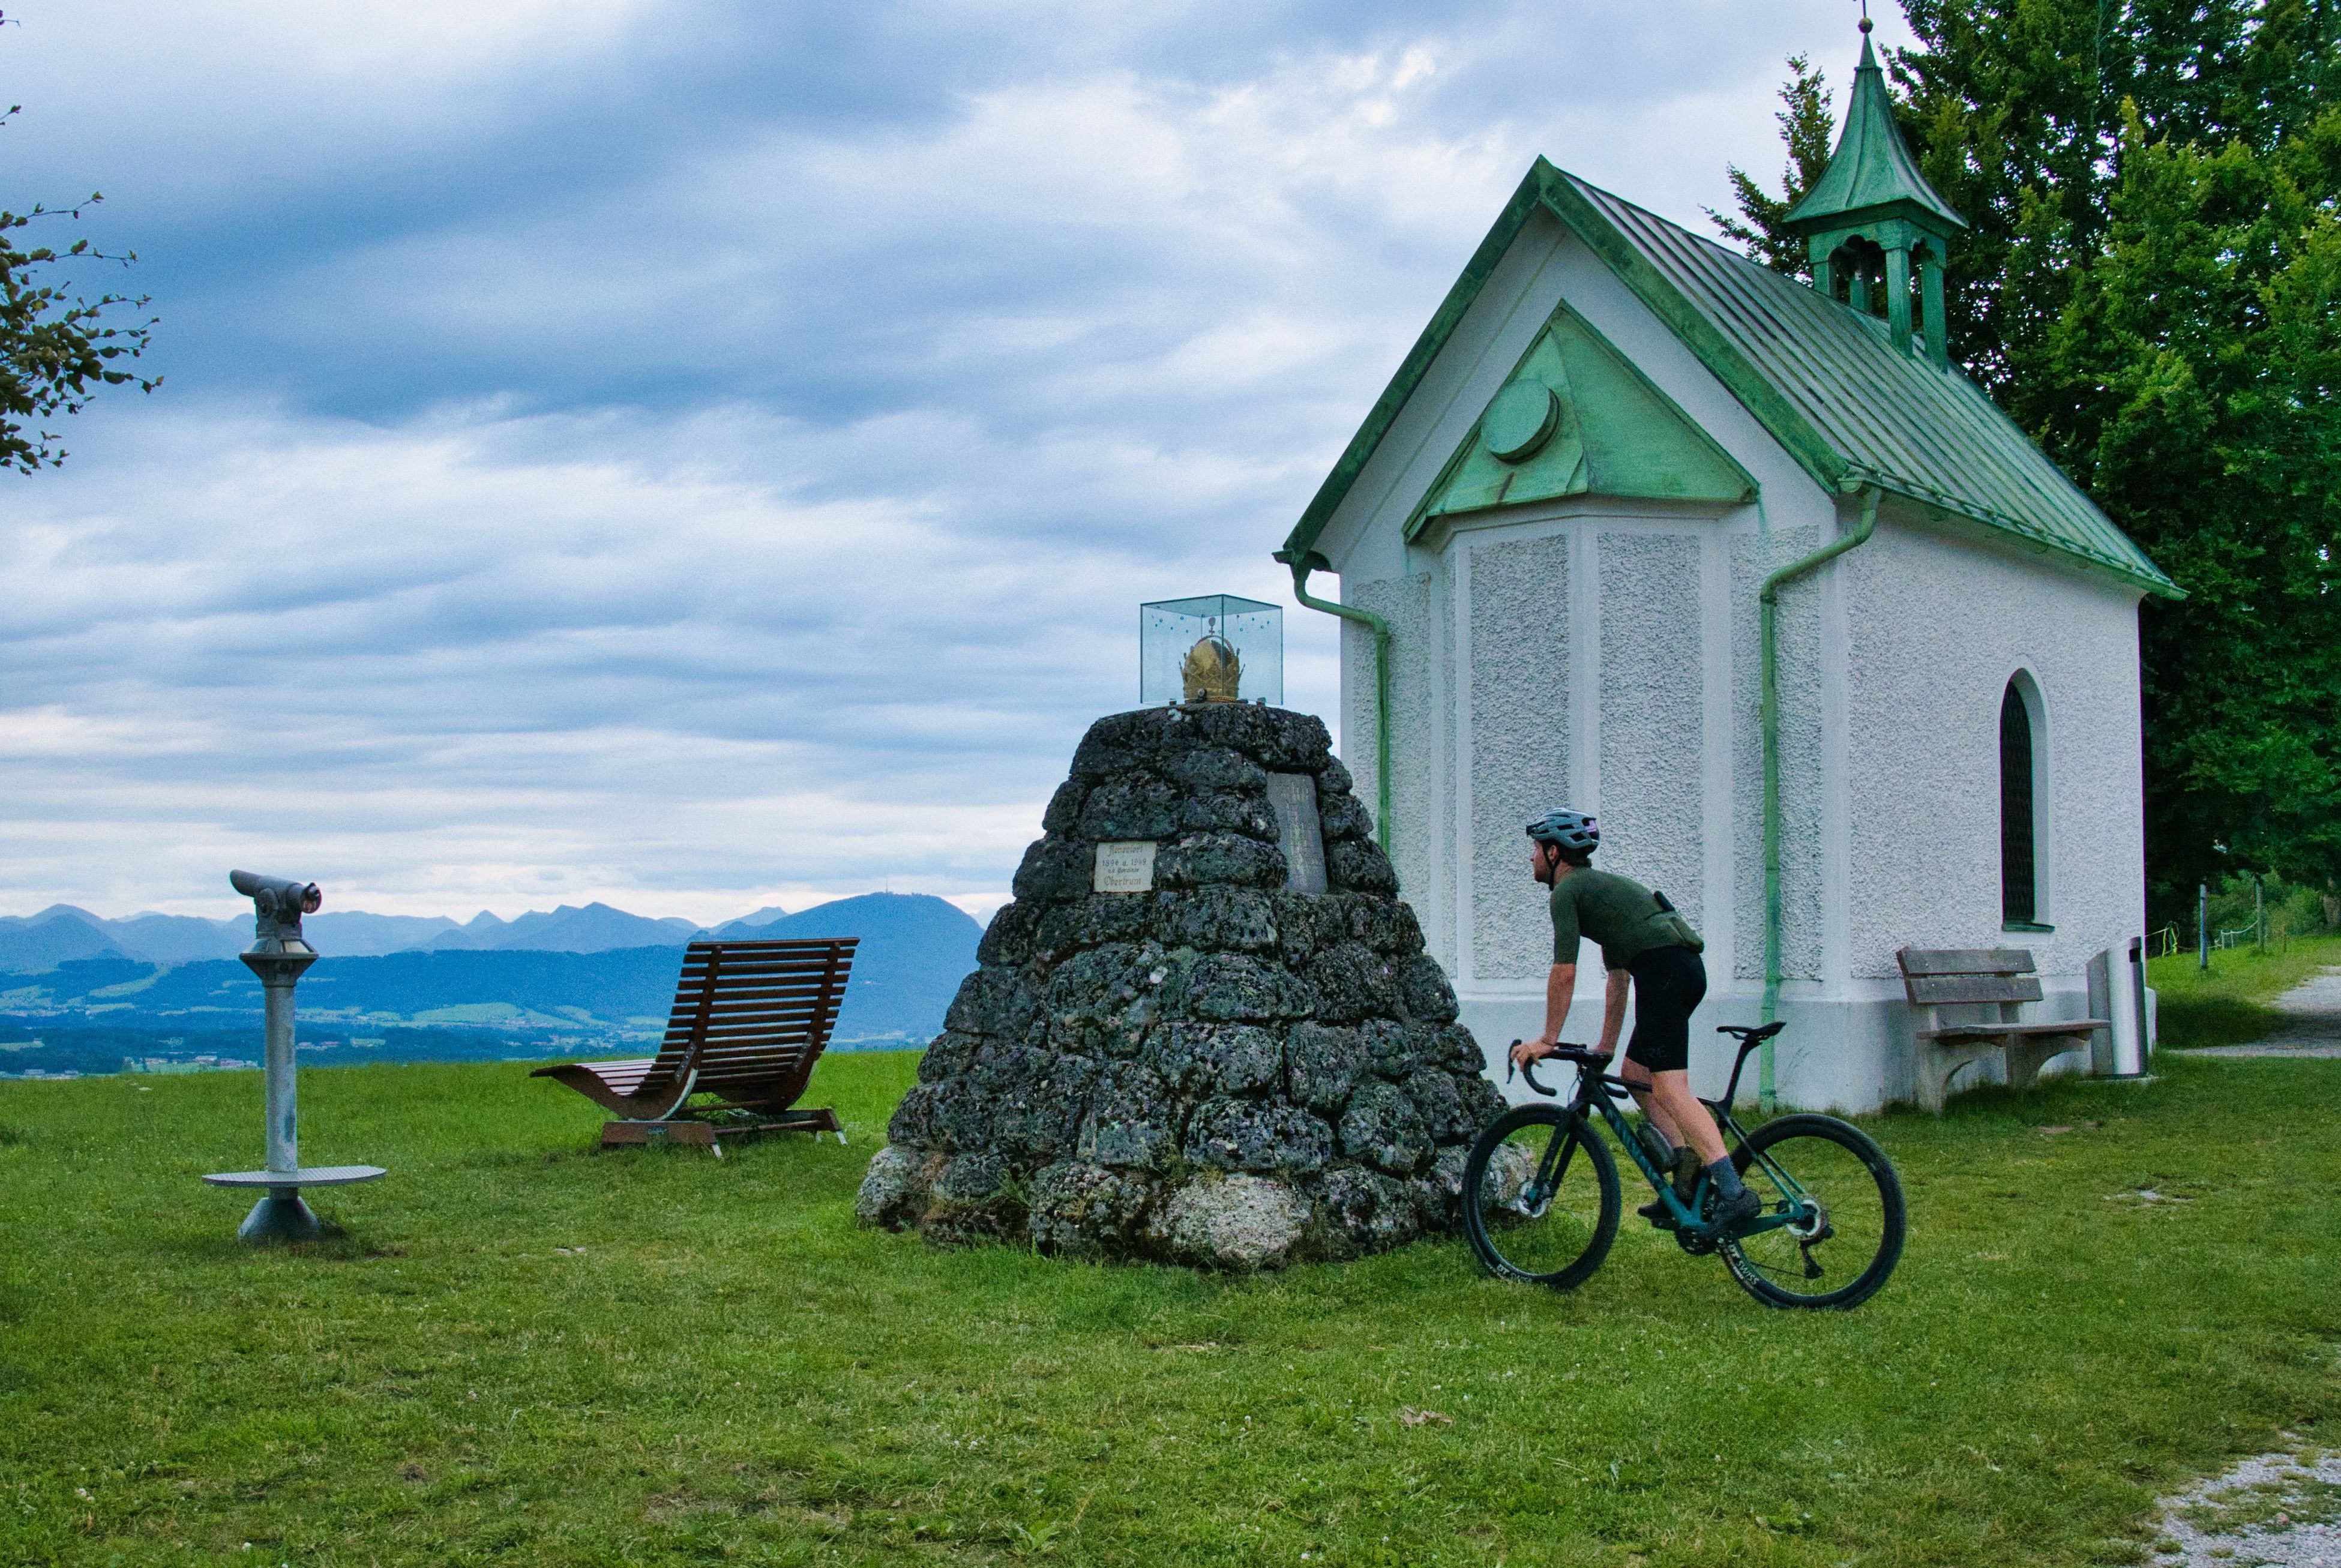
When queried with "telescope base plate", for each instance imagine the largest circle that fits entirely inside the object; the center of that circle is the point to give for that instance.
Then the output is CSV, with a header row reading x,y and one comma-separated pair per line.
x,y
307,1176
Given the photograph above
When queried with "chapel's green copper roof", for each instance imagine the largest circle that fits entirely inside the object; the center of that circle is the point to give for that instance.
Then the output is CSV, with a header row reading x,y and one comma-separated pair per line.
x,y
1823,378
1870,174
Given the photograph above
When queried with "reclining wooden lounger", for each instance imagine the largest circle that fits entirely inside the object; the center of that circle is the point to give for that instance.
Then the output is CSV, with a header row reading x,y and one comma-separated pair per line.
x,y
750,1021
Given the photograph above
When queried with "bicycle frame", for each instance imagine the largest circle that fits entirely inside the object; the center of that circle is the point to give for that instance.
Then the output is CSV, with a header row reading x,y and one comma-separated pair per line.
x,y
1600,1094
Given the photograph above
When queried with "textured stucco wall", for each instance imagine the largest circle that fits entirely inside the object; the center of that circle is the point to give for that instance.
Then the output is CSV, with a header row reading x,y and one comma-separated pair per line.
x,y
1938,627
1407,604
1519,737
1653,705
1754,557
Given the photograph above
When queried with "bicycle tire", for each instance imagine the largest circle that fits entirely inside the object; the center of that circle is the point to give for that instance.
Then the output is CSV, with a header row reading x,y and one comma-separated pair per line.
x,y
1562,1240
1842,1167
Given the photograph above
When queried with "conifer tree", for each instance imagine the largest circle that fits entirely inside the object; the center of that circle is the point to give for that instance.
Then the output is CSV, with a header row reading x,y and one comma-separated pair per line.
x,y
2152,288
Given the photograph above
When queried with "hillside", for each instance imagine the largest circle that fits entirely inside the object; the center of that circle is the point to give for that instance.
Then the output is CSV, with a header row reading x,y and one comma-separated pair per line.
x,y
88,1012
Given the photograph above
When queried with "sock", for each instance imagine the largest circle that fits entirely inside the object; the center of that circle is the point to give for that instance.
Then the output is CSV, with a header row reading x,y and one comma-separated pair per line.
x,y
1726,1180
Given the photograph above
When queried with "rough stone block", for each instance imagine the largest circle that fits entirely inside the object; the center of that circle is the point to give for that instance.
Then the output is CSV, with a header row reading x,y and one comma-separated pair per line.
x,y
1353,982
1222,919
1230,988
1203,859
1054,871
1132,1119
1351,866
1257,1135
1382,1129
1223,811
1081,1210
1201,1059
1332,779
1007,940
1209,768
1239,1223
1429,998
1064,807
1366,1212
1130,806
1438,1101
1322,1064
1341,816
896,1190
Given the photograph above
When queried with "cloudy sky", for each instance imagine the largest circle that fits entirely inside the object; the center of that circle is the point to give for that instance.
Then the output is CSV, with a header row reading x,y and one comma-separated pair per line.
x,y
704,454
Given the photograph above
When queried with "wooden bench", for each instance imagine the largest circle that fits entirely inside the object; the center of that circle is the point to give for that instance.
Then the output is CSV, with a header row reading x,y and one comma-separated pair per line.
x,y
1992,982
750,1020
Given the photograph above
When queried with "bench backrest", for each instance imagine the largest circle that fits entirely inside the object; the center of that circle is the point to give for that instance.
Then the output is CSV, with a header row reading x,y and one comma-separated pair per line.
x,y
759,1012
1954,976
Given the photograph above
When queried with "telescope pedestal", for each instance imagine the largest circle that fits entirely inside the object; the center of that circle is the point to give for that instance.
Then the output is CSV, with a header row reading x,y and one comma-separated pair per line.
x,y
283,1215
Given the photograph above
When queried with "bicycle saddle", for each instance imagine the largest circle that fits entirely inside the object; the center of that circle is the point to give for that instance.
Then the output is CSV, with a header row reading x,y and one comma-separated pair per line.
x,y
1751,1034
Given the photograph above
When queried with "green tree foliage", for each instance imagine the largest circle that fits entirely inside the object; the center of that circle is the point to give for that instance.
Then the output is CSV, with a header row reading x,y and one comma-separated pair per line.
x,y
2152,288
56,347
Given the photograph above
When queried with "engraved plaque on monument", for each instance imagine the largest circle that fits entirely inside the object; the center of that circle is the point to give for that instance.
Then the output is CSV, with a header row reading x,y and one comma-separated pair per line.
x,y
1125,867
1297,834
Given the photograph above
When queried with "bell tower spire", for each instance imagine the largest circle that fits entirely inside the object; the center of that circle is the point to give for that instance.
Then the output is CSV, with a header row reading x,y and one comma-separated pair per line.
x,y
1873,216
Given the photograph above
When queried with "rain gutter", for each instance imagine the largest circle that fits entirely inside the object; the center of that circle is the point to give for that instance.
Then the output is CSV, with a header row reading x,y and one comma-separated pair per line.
x,y
1303,563
1768,602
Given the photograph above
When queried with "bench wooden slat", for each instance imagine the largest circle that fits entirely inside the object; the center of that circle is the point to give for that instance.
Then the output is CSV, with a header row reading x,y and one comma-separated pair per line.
x,y
1954,989
2078,1027
1965,960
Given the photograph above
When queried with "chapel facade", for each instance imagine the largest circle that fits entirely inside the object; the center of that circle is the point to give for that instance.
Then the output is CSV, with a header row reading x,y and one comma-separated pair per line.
x,y
1556,535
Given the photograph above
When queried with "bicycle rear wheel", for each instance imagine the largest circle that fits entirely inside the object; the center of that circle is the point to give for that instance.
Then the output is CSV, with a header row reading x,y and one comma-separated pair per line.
x,y
1541,1197
1841,1253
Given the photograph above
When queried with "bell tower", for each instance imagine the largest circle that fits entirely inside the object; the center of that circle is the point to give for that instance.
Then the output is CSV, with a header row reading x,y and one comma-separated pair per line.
x,y
1872,216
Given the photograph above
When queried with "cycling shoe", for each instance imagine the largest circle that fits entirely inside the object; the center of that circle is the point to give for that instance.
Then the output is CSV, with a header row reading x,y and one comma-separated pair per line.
x,y
1729,1212
1660,1216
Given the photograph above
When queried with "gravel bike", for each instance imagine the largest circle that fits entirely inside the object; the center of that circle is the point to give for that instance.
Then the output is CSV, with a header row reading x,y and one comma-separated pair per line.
x,y
1541,1201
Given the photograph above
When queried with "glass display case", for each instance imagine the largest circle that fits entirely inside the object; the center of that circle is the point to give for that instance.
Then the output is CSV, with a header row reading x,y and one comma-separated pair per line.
x,y
1216,648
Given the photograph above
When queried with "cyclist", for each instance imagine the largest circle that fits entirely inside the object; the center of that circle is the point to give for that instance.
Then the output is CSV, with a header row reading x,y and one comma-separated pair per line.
x,y
1646,945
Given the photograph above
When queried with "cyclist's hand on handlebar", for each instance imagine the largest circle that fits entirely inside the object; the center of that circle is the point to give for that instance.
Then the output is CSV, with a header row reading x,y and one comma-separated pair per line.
x,y
1527,1050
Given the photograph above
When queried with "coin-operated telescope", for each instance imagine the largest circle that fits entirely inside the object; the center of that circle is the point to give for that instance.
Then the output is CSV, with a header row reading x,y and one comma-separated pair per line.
x,y
278,954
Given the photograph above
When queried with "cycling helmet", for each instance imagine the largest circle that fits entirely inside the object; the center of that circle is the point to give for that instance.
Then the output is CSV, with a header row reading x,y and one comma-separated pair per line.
x,y
1571,831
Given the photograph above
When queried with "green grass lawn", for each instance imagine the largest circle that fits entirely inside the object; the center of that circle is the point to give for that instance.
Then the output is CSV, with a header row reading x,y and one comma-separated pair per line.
x,y
2229,1005
526,1352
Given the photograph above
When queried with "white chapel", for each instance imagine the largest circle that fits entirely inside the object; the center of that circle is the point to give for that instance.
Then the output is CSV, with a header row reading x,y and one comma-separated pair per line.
x,y
1556,534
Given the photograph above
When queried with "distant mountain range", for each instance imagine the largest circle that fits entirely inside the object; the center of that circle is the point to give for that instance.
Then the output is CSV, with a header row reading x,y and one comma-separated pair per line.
x,y
33,944
78,988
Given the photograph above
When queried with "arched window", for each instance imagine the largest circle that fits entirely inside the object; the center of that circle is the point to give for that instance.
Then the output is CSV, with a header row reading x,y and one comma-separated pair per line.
x,y
2019,838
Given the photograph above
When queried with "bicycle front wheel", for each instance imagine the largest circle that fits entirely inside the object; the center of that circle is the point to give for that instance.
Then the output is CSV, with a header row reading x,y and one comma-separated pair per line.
x,y
1846,1234
1541,1197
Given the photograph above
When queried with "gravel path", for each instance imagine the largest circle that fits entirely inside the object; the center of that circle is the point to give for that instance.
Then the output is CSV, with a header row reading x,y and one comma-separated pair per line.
x,y
2313,1028
2280,1509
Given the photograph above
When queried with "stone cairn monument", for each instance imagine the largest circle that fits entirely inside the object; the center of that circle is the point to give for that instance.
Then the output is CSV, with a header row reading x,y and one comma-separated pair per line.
x,y
1205,1029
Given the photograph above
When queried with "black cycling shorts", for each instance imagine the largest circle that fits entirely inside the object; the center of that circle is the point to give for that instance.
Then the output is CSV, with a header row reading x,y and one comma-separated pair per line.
x,y
1670,982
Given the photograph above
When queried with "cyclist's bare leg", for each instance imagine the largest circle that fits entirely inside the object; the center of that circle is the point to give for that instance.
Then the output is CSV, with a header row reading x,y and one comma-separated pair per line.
x,y
1671,1096
1637,1079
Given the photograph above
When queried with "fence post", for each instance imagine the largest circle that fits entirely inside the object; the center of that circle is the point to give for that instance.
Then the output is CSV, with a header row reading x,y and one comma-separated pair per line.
x,y
2259,913
2203,925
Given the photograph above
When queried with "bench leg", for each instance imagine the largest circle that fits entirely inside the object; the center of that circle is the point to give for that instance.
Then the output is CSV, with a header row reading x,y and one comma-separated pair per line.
x,y
1936,1064
2027,1057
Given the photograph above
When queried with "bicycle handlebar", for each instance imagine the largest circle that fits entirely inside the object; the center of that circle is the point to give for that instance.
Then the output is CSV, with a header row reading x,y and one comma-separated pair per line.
x,y
1592,1062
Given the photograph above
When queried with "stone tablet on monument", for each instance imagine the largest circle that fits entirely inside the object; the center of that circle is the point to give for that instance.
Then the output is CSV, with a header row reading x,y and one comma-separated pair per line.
x,y
1124,867
1293,797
